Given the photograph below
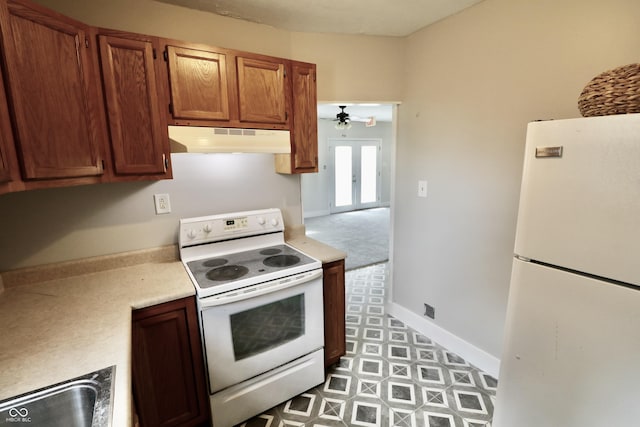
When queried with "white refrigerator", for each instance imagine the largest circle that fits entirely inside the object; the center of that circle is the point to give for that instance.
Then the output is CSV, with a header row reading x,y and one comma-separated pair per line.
x,y
571,353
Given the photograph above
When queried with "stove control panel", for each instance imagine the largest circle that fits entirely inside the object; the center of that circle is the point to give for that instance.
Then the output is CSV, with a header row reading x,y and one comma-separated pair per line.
x,y
207,229
237,223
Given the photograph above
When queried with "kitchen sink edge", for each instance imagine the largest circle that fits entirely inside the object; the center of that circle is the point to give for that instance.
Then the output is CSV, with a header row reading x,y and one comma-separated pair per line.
x,y
84,401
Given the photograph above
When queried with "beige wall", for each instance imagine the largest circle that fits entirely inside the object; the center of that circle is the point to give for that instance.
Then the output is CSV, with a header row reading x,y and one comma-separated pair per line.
x,y
353,68
473,81
59,224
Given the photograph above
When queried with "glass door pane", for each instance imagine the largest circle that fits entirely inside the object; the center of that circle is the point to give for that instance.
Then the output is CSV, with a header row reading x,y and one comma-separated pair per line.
x,y
368,174
355,171
343,176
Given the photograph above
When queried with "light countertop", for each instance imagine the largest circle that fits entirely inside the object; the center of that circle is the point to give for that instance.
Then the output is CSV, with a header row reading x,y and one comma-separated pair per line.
x,y
65,320
72,325
297,238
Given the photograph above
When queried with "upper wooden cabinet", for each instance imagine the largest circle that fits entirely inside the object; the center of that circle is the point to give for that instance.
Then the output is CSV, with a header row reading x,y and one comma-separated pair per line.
x,y
262,92
84,105
137,125
198,83
211,86
54,93
9,173
304,130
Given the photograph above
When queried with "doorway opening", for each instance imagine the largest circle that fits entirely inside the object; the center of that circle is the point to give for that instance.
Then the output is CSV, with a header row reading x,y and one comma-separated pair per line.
x,y
347,204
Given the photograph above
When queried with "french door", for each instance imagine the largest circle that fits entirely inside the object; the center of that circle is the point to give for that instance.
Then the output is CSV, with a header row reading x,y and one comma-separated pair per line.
x,y
355,174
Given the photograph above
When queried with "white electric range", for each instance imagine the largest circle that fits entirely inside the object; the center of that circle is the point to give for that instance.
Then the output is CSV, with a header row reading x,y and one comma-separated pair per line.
x,y
261,311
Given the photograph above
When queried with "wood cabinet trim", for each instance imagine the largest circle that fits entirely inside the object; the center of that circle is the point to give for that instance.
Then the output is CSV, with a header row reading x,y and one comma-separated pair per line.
x,y
9,170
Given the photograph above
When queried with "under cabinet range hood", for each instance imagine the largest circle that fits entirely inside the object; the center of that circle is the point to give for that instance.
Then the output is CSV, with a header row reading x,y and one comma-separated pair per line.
x,y
195,139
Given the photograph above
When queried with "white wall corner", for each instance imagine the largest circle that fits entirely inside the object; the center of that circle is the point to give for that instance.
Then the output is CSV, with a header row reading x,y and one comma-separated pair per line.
x,y
472,354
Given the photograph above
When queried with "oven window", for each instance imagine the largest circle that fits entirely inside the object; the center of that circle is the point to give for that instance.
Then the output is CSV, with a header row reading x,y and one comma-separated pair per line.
x,y
262,328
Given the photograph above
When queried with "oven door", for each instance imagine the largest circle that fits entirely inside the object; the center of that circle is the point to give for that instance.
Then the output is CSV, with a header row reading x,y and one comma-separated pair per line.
x,y
253,330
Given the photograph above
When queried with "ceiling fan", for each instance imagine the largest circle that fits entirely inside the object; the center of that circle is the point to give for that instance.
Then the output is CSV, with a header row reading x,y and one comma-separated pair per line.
x,y
343,119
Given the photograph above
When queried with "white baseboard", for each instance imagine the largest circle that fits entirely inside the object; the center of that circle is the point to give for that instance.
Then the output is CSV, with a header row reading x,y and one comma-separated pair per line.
x,y
312,214
472,354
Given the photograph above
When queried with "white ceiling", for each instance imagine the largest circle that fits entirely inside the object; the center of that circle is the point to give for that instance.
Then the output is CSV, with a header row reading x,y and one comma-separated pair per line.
x,y
370,17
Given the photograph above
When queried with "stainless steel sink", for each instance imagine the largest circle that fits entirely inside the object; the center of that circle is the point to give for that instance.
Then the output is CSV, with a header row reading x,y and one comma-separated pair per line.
x,y
86,401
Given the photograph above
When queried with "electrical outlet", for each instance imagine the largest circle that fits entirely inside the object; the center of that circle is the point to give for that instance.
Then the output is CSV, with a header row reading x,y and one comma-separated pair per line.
x,y
422,188
162,202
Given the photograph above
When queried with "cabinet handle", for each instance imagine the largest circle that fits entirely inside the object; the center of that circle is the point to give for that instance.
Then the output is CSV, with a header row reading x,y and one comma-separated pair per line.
x,y
165,162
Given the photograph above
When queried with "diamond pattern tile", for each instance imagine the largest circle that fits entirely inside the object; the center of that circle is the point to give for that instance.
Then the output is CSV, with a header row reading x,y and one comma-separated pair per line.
x,y
391,376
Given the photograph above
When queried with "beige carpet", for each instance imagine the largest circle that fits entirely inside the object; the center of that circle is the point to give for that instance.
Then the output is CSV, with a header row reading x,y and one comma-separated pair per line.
x,y
363,235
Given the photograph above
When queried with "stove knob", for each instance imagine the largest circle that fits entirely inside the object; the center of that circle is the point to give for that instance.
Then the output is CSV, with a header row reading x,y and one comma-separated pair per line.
x,y
207,228
274,222
191,234
261,221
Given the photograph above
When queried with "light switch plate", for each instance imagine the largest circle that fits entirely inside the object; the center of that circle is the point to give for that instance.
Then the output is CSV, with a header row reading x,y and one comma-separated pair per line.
x,y
163,204
422,188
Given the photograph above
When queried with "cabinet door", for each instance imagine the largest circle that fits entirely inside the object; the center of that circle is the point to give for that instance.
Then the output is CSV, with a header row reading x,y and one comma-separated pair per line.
x,y
6,139
335,344
139,139
9,174
54,92
304,137
199,88
261,90
168,372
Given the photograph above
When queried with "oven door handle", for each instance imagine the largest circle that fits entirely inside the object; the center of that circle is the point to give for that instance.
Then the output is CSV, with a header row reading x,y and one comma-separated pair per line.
x,y
261,289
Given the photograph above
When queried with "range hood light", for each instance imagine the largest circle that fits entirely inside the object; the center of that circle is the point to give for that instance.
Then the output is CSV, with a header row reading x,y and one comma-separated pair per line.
x,y
196,139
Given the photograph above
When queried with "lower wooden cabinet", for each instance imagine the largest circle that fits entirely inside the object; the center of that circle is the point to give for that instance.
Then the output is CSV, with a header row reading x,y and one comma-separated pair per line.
x,y
169,384
335,344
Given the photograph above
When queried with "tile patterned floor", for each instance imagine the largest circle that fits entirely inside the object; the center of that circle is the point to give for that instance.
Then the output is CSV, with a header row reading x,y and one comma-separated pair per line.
x,y
390,376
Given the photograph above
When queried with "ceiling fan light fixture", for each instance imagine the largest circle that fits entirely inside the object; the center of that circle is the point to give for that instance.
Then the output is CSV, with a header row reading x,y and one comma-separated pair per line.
x,y
343,119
